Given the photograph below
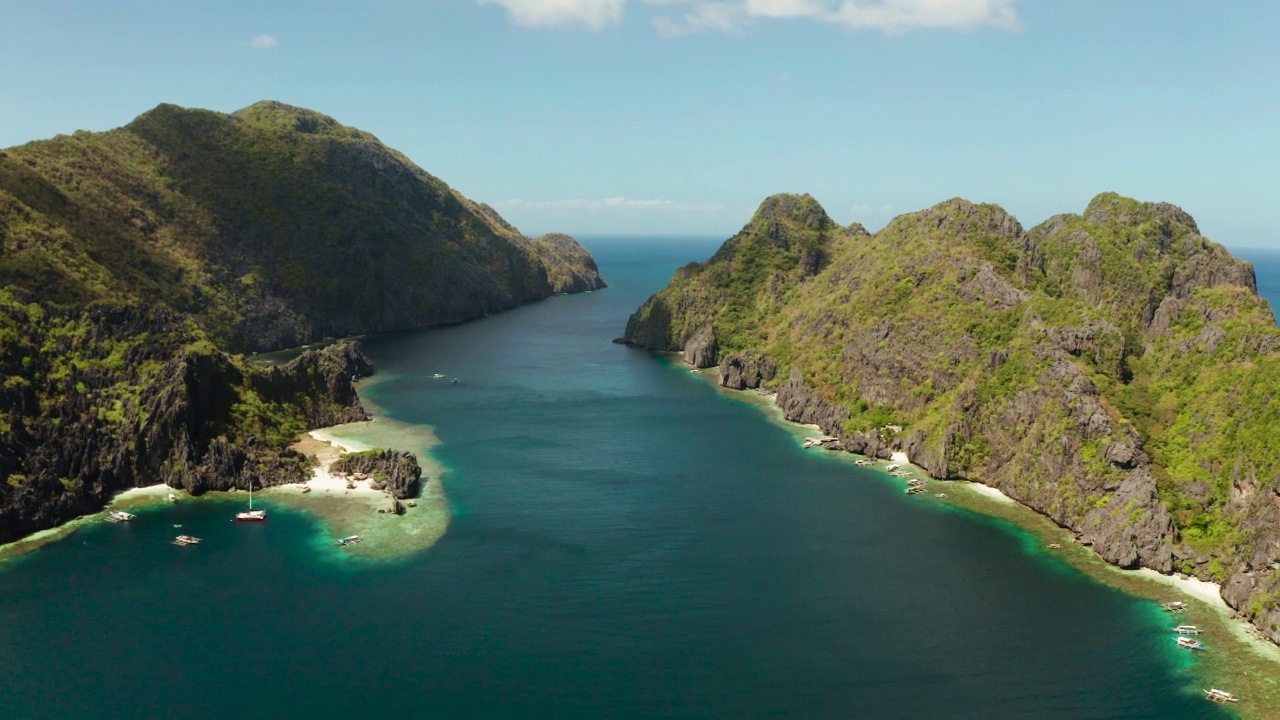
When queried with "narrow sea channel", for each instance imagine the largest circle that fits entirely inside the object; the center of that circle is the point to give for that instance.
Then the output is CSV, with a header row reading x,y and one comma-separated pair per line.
x,y
626,542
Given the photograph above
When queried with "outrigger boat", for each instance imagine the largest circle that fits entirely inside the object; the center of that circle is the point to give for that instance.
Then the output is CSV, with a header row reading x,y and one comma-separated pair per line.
x,y
1175,606
1187,630
173,498
862,462
349,540
120,516
1188,643
915,490
186,540
1219,696
437,376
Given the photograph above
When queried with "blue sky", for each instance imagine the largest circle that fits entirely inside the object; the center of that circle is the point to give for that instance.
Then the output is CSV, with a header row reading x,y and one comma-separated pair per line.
x,y
679,116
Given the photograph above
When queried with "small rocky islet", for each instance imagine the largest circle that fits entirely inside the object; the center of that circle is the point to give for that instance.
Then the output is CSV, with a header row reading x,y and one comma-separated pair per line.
x,y
1113,370
141,265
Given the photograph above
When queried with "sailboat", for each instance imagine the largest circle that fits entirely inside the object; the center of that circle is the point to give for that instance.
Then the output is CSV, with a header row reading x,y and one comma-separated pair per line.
x,y
255,515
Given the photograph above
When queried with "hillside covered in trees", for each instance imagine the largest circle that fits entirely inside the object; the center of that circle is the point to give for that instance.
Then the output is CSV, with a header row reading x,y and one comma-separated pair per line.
x,y
1114,370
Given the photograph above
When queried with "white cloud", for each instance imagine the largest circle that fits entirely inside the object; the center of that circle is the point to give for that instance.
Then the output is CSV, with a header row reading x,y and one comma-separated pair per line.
x,y
891,17
610,203
262,42
591,14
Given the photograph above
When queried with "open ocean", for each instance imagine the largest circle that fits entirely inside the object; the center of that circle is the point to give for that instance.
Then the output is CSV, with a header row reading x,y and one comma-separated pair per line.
x,y
627,542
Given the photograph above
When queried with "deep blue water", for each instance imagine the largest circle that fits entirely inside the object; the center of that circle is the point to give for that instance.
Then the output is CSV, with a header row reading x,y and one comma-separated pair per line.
x,y
628,543
1266,264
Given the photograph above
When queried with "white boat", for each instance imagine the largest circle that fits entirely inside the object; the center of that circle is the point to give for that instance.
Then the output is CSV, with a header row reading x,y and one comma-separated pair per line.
x,y
173,498
1175,606
1219,696
186,540
251,515
120,516
893,467
349,540
437,376
1188,643
1187,630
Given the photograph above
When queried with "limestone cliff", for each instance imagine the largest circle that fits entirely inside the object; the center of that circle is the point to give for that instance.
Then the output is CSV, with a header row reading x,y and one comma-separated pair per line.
x,y
1114,370
100,400
133,261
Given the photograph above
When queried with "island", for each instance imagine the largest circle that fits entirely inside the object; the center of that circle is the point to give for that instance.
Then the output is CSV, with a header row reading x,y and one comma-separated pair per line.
x,y
1114,370
143,266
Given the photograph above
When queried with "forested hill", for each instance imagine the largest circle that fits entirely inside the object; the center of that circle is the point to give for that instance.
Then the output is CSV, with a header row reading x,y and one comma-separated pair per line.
x,y
272,226
1114,370
136,264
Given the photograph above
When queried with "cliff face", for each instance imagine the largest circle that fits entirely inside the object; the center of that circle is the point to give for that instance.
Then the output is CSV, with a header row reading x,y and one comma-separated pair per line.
x,y
131,259
1114,370
105,399
273,226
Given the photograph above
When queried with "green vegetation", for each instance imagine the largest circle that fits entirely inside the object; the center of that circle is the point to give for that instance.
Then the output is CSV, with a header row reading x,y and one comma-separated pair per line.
x,y
273,226
130,260
1115,370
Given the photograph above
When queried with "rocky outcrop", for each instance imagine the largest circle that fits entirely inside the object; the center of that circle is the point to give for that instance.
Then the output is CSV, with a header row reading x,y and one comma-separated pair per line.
x,y
747,371
1112,370
570,268
395,471
701,349
111,398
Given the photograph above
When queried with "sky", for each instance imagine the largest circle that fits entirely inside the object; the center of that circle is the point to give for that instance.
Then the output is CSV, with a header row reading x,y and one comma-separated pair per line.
x,y
677,117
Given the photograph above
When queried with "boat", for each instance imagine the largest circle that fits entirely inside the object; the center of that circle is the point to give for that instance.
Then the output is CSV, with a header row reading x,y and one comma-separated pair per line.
x,y
1219,696
349,540
173,498
1188,643
306,489
893,467
1175,606
120,516
437,376
186,540
1187,630
914,490
251,515
1055,546
861,463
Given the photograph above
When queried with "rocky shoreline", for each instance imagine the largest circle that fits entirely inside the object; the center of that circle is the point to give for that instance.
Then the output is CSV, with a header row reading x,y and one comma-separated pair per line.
x,y
801,404
1112,370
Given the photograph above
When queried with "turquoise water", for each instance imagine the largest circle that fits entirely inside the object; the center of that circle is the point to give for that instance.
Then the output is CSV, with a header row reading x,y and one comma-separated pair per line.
x,y
627,543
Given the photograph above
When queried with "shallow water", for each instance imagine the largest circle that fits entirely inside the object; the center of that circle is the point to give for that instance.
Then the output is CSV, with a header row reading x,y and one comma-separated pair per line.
x,y
626,542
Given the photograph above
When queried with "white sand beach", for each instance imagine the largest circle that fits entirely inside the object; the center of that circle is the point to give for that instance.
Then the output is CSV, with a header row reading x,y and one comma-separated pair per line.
x,y
328,449
988,491
1196,588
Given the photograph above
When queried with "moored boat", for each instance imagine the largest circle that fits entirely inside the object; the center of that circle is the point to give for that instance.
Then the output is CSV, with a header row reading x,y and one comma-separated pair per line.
x,y
120,516
349,540
1187,630
1219,696
1175,606
1188,643
173,498
251,515
186,540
